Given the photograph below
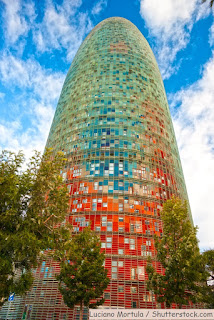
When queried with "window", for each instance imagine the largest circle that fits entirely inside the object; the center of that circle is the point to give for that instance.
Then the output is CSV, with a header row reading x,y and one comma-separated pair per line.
x,y
120,263
98,228
132,273
121,229
104,221
146,253
148,242
138,227
107,295
114,270
120,206
141,273
147,298
120,288
133,289
120,251
126,240
120,219
109,226
156,226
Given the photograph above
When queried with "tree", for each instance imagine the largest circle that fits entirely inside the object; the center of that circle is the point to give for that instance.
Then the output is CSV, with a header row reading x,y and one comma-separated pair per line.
x,y
32,202
211,2
177,251
208,258
82,277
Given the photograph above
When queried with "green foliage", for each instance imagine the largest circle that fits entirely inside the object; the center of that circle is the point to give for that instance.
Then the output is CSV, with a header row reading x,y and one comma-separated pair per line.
x,y
208,258
179,255
83,277
32,202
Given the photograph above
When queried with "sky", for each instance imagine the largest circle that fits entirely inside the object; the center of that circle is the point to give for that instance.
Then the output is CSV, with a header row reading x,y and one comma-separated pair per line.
x,y
39,39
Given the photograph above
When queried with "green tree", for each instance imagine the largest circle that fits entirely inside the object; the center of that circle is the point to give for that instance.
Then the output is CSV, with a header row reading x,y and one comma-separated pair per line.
x,y
32,202
178,252
82,277
211,2
208,258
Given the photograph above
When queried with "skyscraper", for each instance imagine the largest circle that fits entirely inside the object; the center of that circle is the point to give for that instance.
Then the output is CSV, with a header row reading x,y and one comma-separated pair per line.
x,y
114,125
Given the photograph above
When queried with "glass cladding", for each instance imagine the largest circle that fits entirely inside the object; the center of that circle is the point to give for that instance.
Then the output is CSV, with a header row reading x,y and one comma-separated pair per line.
x,y
113,123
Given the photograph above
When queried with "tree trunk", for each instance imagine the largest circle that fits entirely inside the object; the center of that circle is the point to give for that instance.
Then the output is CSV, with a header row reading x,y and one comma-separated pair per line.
x,y
81,310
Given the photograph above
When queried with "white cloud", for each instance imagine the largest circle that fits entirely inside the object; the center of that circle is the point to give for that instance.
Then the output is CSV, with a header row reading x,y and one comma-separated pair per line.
x,y
33,109
170,22
29,75
195,136
164,14
211,35
42,116
62,28
202,11
7,130
18,18
14,138
98,7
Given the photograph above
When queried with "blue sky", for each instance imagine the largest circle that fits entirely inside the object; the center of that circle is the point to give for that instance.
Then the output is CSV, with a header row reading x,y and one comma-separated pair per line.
x,y
39,39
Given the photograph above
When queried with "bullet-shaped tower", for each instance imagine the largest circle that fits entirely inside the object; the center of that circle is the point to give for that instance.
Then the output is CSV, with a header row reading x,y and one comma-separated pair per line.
x,y
114,125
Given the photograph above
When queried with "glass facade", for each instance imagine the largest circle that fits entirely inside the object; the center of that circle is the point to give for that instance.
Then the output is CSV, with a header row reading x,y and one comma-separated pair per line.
x,y
113,123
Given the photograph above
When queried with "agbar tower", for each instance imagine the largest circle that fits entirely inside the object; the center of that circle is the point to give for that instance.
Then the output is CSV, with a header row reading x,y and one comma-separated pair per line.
x,y
114,125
